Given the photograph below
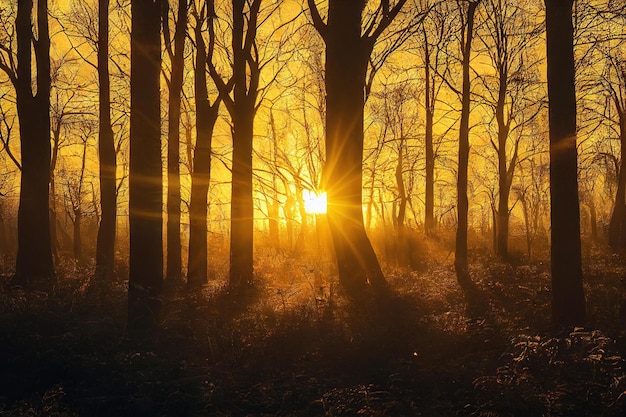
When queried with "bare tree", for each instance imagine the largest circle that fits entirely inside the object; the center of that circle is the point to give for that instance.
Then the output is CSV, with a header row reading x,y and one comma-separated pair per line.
x,y
242,108
176,56
248,59
206,117
460,254
349,48
75,190
510,93
105,246
34,255
436,36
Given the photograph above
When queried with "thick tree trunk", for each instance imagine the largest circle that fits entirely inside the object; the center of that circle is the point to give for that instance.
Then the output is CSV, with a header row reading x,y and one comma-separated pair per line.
x,y
460,255
242,209
346,65
246,80
174,260
34,255
105,245
206,116
568,299
145,181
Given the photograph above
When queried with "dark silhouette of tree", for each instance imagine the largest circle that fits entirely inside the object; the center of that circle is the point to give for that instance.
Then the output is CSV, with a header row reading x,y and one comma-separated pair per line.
x,y
398,119
206,117
613,80
568,298
348,52
460,254
34,254
242,106
75,191
145,182
436,36
508,36
62,116
175,85
6,134
105,244
91,25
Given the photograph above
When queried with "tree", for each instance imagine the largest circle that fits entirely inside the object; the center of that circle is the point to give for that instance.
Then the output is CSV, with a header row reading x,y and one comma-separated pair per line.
x,y
105,246
74,193
460,254
398,116
90,25
177,59
348,52
206,117
508,37
248,59
568,298
436,35
62,117
34,254
145,182
242,108
613,81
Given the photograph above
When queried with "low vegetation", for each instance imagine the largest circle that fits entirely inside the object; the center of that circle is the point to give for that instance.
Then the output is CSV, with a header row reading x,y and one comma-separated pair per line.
x,y
295,346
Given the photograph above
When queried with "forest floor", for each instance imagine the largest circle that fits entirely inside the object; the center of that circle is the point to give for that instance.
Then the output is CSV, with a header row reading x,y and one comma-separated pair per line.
x,y
296,347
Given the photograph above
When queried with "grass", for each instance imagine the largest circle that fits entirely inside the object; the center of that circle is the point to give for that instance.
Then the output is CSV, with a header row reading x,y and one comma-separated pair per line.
x,y
296,347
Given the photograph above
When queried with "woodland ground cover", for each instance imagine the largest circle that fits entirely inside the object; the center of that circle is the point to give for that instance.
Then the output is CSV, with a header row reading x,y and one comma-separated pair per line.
x,y
293,345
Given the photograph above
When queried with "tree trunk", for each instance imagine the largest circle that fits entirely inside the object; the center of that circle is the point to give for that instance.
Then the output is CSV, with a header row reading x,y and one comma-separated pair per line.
x,y
78,209
246,81
504,180
527,226
34,254
77,241
105,245
273,206
593,219
145,181
568,299
346,65
206,117
54,239
402,247
304,223
174,260
618,216
460,255
429,197
242,209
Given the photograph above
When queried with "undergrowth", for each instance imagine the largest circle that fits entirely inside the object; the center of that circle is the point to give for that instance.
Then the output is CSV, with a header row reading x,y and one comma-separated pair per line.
x,y
295,346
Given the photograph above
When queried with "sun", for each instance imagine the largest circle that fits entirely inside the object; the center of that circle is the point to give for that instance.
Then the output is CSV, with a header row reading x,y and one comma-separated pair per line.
x,y
314,202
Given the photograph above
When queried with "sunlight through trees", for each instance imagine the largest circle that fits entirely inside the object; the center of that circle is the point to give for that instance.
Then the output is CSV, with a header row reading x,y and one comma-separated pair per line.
x,y
229,127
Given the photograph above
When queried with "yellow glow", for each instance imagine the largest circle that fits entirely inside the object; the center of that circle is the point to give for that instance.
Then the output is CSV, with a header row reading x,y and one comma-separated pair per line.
x,y
314,203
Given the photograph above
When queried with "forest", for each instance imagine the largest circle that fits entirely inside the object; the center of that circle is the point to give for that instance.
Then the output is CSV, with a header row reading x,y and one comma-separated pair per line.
x,y
312,208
